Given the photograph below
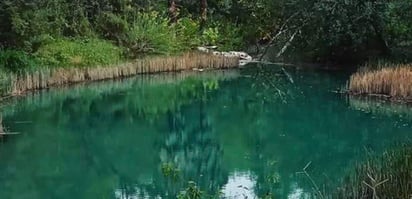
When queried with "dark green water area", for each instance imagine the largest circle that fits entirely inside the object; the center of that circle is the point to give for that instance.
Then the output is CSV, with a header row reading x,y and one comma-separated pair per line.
x,y
234,134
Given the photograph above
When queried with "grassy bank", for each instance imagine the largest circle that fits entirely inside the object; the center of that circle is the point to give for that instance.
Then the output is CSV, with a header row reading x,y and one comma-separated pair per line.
x,y
390,81
107,44
17,83
386,176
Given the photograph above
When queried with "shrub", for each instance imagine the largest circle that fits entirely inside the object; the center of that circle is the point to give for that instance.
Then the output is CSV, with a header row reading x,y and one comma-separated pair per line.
x,y
112,27
224,35
78,53
150,33
210,36
231,37
188,33
16,61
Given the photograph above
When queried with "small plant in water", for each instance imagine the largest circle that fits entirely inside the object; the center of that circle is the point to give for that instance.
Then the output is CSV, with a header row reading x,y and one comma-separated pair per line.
x,y
191,192
169,170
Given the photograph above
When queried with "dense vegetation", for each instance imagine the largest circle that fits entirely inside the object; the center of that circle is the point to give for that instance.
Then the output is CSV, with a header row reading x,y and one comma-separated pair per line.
x,y
81,33
90,32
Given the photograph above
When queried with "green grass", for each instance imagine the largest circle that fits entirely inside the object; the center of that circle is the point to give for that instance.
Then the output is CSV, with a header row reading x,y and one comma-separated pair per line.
x,y
16,61
78,53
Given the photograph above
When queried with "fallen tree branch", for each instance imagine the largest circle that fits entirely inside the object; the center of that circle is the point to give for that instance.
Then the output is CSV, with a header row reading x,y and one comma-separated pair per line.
x,y
286,46
280,32
315,186
288,43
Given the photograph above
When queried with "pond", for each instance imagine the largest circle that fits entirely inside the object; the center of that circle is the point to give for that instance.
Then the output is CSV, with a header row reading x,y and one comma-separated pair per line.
x,y
232,134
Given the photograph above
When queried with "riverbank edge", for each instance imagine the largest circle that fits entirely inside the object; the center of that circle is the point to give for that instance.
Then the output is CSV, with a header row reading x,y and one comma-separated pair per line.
x,y
48,78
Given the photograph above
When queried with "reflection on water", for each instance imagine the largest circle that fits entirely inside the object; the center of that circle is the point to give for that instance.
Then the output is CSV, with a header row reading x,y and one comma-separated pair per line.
x,y
228,134
381,107
240,185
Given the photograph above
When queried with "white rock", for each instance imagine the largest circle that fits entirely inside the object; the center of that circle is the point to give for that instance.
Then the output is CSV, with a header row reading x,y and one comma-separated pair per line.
x,y
217,53
202,49
243,62
211,47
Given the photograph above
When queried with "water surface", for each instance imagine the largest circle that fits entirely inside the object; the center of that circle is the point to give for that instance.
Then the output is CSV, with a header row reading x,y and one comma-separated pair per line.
x,y
234,134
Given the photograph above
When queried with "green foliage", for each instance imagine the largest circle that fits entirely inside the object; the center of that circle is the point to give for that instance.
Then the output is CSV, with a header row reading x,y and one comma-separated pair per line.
x,y
150,33
210,36
321,30
224,35
78,53
188,32
399,22
230,37
112,27
169,170
26,20
16,61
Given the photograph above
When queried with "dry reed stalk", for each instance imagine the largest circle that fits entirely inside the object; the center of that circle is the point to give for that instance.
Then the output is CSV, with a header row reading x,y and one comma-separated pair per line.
x,y
33,102
387,176
394,82
62,76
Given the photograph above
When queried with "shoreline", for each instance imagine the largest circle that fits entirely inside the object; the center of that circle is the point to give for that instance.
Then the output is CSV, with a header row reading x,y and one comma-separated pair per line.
x,y
48,78
384,97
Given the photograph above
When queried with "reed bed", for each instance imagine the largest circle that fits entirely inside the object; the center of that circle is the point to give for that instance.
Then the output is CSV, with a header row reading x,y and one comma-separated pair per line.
x,y
121,86
47,78
393,82
387,176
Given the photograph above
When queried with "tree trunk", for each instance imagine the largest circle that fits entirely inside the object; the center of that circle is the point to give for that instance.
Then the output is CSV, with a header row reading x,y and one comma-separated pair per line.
x,y
203,11
172,11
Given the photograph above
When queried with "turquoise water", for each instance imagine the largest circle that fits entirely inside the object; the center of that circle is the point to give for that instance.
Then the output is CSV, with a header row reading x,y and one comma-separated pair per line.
x,y
235,134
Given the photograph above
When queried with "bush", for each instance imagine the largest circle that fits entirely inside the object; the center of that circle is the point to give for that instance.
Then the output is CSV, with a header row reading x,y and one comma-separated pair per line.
x,y
188,33
151,33
231,37
16,61
224,35
112,27
78,53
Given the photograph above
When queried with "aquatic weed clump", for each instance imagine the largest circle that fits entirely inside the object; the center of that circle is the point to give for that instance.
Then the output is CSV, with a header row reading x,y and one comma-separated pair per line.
x,y
387,176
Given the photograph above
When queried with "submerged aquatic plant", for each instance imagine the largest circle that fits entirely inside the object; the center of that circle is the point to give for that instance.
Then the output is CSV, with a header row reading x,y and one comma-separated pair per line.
x,y
169,170
191,192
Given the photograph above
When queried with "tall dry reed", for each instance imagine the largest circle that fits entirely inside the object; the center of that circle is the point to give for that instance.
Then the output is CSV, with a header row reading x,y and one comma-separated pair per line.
x,y
61,76
394,82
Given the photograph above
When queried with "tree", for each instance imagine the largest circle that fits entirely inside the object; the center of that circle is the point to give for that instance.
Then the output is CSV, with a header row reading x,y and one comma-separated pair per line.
x,y
203,11
172,11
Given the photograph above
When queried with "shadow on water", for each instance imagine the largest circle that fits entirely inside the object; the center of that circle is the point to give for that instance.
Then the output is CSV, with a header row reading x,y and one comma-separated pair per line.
x,y
229,134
